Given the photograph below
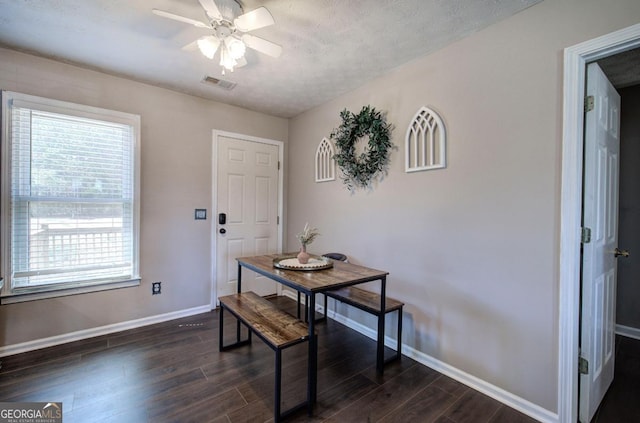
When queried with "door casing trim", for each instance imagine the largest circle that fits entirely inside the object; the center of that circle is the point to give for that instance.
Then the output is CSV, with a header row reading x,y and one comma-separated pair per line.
x,y
214,198
575,61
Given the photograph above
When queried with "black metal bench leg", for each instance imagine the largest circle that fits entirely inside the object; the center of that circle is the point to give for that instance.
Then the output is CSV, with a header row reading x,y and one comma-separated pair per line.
x,y
399,345
381,318
325,306
380,345
239,342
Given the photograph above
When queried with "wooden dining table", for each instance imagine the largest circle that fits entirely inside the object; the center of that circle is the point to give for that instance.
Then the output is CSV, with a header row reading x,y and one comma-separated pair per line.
x,y
310,283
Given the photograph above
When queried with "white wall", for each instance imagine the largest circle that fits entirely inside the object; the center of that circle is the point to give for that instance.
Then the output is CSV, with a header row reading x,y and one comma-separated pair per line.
x,y
176,140
473,249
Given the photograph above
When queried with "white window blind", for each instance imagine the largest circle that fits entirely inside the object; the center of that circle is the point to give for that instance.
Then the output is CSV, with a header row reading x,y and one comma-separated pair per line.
x,y
73,200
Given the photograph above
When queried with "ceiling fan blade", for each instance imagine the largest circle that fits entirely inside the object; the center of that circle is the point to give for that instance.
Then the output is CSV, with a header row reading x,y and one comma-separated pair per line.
x,y
180,18
192,46
211,8
255,19
262,45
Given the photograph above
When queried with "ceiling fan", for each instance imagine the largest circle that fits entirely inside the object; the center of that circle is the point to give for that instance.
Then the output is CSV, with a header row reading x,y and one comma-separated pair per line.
x,y
229,31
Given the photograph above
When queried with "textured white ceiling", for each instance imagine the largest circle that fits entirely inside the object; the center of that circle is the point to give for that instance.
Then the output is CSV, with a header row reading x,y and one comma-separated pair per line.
x,y
622,69
329,46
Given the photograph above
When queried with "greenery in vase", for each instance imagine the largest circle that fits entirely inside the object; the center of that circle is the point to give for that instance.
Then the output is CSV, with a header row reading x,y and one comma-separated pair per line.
x,y
307,235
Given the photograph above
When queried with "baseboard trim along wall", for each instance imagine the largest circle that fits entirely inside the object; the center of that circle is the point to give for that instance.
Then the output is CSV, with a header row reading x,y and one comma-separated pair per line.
x,y
627,331
526,407
98,331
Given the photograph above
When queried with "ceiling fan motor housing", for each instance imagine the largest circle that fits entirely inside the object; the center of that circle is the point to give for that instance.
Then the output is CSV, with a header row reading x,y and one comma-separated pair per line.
x,y
229,9
223,30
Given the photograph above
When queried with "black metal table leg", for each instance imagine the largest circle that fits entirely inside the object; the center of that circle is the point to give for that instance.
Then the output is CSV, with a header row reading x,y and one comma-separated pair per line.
x,y
278,384
221,328
239,291
313,356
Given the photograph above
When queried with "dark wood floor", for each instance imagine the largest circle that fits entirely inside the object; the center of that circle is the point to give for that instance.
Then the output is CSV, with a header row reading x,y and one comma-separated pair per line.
x,y
173,372
622,401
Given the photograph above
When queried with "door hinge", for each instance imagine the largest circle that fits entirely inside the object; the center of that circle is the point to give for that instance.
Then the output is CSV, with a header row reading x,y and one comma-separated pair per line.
x,y
588,103
278,164
583,366
586,235
277,220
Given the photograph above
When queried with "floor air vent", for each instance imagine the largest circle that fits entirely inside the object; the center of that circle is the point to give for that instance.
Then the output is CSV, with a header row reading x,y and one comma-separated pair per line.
x,y
226,85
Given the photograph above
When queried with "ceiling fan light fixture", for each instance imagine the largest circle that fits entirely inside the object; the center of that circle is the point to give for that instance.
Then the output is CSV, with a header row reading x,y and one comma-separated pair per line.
x,y
226,61
235,47
208,46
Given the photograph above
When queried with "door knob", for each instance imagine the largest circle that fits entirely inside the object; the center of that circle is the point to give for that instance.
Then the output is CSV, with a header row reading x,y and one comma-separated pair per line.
x,y
223,231
624,253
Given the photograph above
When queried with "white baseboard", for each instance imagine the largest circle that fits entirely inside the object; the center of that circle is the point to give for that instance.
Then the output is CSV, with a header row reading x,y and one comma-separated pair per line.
x,y
526,407
98,331
627,331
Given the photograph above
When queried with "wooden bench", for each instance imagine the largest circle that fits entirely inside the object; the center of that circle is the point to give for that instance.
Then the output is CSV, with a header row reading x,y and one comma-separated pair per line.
x,y
370,302
278,329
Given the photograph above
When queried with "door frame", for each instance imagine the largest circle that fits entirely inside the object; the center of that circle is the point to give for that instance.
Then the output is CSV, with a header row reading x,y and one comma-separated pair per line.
x,y
214,198
575,61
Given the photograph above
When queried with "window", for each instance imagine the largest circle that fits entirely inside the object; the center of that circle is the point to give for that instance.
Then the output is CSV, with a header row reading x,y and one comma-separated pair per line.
x,y
70,193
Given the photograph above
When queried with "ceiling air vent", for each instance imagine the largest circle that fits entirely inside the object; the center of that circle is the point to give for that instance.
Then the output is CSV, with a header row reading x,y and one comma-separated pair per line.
x,y
227,85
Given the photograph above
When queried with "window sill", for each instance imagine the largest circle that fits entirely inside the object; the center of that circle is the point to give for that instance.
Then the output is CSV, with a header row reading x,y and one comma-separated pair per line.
x,y
42,295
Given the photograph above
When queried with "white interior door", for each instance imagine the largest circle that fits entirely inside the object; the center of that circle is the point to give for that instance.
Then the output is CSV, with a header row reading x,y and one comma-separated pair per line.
x,y
247,193
600,214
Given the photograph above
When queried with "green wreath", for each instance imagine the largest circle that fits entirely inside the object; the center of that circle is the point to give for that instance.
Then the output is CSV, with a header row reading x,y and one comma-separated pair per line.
x,y
359,171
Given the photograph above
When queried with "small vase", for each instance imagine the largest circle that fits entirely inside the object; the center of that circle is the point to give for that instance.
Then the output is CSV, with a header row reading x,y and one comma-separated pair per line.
x,y
303,256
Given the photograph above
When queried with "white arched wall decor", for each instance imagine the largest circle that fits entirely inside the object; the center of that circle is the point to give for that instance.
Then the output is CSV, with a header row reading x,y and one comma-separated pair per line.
x,y
325,165
425,142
